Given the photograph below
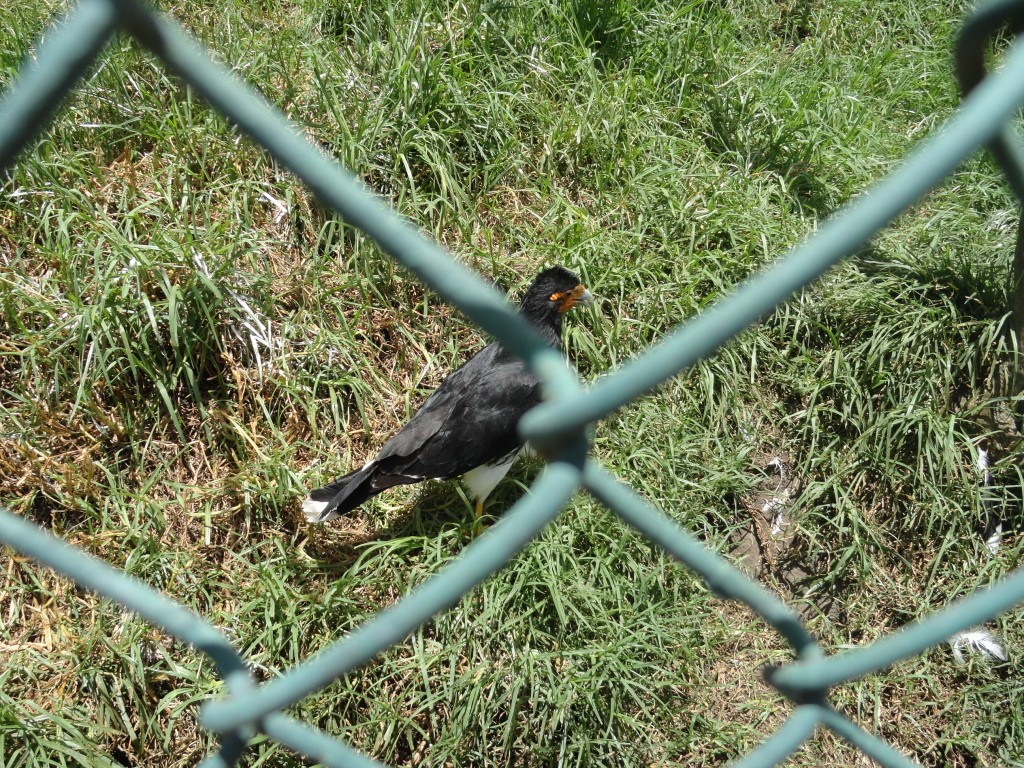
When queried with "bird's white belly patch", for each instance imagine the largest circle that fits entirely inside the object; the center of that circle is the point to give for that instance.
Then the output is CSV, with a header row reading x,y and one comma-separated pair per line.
x,y
481,480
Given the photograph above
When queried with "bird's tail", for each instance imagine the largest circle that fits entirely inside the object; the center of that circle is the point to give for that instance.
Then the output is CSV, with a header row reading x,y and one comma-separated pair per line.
x,y
340,496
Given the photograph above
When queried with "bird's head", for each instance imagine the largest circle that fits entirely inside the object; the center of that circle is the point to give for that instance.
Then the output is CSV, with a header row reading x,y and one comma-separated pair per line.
x,y
556,291
551,294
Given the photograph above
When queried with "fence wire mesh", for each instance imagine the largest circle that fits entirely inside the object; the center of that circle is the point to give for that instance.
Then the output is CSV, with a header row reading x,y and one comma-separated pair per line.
x,y
558,426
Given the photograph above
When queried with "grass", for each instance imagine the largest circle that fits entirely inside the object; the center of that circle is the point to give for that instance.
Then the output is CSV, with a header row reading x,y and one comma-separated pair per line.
x,y
188,341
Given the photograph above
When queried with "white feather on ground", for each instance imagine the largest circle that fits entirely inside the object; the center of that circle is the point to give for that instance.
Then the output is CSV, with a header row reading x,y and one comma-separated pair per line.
x,y
979,642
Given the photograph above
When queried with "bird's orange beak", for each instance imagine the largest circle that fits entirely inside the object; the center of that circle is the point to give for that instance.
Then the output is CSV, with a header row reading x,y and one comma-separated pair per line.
x,y
570,299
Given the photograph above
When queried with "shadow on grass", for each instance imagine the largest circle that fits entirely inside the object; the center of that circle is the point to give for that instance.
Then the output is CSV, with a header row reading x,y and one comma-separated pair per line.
x,y
437,508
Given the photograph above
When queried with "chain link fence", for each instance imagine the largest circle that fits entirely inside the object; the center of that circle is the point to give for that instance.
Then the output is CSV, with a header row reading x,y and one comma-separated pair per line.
x,y
558,427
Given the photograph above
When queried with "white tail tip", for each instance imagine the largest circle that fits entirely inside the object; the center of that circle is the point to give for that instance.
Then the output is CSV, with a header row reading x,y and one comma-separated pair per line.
x,y
314,511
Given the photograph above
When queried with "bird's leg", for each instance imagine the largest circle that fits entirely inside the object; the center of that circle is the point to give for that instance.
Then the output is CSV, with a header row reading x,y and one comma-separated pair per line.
x,y
477,521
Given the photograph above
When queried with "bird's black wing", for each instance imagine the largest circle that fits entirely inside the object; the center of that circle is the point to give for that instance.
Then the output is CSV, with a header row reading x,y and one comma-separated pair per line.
x,y
468,421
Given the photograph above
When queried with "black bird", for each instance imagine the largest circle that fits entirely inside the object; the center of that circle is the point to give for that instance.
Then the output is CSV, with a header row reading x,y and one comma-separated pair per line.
x,y
468,425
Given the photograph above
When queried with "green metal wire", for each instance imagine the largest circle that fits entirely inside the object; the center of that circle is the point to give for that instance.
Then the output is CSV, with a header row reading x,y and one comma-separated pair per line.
x,y
969,52
978,123
557,426
483,557
66,53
